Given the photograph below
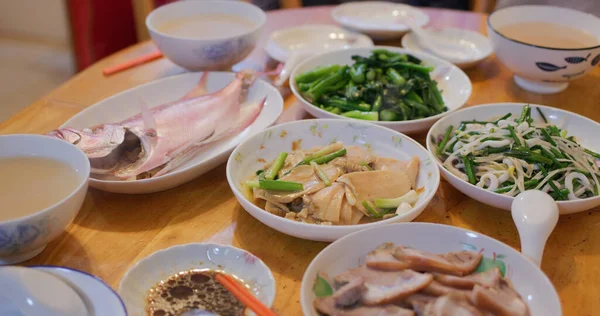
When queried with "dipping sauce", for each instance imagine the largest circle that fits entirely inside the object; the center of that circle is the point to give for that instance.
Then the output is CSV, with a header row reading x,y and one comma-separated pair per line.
x,y
549,35
30,184
192,289
207,26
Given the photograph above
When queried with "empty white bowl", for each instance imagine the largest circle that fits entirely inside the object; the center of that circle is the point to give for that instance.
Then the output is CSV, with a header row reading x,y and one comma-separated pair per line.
x,y
454,84
543,69
474,47
252,154
349,252
25,237
378,19
585,131
144,275
215,53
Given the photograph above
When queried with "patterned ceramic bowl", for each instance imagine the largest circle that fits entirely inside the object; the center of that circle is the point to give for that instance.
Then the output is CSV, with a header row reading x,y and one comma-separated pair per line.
x,y
25,237
349,252
144,275
253,153
216,52
544,69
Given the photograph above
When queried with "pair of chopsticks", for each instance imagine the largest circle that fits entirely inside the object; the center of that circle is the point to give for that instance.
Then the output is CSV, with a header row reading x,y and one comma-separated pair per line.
x,y
132,63
243,295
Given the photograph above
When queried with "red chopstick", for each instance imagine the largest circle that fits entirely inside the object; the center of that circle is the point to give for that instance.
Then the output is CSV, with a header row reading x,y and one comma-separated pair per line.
x,y
132,63
244,296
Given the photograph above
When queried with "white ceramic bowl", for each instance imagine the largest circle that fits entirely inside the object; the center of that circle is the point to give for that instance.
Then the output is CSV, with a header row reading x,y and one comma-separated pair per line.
x,y
312,38
144,275
377,19
544,69
219,53
25,237
474,46
99,297
252,153
125,104
350,251
454,83
585,131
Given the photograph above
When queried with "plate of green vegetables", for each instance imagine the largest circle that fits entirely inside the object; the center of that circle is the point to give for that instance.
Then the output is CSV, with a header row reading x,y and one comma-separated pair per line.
x,y
390,86
494,152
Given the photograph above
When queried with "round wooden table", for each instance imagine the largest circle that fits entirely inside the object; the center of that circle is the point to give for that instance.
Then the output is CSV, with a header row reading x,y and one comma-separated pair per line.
x,y
114,231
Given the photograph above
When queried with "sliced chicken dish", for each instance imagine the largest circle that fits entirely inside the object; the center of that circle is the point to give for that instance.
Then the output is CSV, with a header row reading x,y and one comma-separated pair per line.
x,y
398,280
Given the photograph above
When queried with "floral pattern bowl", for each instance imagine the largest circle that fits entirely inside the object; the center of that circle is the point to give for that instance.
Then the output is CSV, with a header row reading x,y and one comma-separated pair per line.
x,y
349,252
215,53
144,275
252,154
25,237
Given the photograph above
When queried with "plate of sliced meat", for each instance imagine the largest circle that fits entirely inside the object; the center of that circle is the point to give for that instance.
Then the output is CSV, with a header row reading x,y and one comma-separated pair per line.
x,y
167,132
424,269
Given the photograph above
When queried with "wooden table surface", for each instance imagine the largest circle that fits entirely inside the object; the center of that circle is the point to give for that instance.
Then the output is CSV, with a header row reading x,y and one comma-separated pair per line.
x,y
114,231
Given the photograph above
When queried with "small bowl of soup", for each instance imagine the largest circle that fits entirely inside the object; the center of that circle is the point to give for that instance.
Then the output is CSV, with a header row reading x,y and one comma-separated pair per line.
x,y
43,185
545,46
206,35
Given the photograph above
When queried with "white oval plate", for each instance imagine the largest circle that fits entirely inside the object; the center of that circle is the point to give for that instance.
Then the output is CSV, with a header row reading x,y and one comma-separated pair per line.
x,y
126,104
252,154
476,46
377,19
585,131
350,251
99,297
454,83
144,275
314,38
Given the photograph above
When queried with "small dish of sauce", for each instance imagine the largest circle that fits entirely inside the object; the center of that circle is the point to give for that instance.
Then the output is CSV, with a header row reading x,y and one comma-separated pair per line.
x,y
189,290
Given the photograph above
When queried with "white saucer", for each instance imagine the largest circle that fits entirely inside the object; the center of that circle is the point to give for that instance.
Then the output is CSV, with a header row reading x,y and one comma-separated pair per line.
x,y
29,292
476,46
99,297
377,19
314,38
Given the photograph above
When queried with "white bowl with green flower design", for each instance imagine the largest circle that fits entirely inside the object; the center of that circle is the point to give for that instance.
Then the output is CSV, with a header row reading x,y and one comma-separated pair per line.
x,y
253,153
349,252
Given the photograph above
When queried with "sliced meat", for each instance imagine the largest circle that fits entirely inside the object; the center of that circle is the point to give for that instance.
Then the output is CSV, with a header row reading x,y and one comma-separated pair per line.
x,y
419,302
487,279
303,174
368,185
382,258
326,204
500,300
326,305
384,287
451,305
349,215
350,293
411,167
349,165
437,289
455,263
276,208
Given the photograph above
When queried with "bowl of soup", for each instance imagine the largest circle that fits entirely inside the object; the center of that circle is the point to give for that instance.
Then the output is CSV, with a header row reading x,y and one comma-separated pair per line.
x,y
545,46
43,185
206,35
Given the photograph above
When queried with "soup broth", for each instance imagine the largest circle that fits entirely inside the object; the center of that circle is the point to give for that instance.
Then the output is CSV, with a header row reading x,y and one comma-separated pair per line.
x,y
207,26
30,184
549,35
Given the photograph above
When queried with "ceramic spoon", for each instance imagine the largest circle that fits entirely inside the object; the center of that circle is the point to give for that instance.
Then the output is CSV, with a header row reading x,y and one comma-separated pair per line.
x,y
535,214
443,48
25,292
295,58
